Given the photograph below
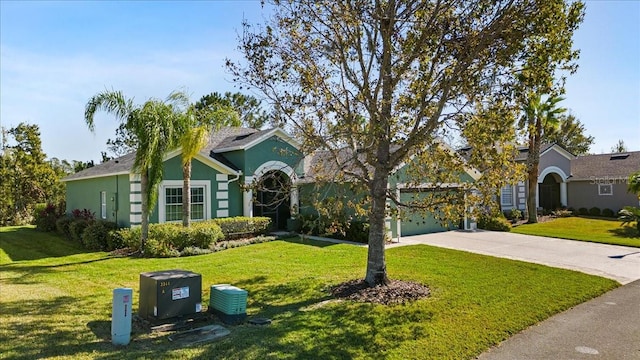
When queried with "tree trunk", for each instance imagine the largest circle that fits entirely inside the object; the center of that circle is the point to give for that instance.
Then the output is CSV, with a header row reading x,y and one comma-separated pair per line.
x,y
376,264
144,233
533,160
186,194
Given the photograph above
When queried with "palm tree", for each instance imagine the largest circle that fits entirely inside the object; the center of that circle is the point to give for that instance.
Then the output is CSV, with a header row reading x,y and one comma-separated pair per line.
x,y
195,128
153,125
537,115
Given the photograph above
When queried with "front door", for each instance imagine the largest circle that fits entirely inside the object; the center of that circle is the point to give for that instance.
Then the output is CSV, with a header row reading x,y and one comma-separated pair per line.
x,y
272,199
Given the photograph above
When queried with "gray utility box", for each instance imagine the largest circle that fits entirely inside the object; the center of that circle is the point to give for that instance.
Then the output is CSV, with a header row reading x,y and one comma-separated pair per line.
x,y
169,293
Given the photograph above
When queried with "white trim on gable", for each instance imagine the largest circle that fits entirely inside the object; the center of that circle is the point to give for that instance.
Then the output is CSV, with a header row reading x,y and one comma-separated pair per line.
x,y
211,162
274,132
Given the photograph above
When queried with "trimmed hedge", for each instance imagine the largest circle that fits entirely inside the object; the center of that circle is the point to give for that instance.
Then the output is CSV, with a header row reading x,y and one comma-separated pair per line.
x,y
583,211
494,223
594,211
169,240
240,226
608,213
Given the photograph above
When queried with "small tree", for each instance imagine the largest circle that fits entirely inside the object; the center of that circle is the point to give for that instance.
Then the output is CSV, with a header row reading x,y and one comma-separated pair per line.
x,y
153,126
538,115
194,132
620,147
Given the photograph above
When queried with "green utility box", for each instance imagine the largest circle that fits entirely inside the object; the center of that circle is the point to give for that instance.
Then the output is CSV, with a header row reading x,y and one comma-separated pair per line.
x,y
229,303
169,293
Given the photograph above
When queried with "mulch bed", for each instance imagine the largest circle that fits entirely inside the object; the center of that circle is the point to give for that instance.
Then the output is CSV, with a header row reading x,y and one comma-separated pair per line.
x,y
396,292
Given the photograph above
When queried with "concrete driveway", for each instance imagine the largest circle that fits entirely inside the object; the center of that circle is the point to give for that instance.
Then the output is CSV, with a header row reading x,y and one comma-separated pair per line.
x,y
620,263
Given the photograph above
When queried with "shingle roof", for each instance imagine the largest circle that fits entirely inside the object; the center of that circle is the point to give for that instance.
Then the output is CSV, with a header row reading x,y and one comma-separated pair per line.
x,y
226,137
239,139
523,151
615,165
121,165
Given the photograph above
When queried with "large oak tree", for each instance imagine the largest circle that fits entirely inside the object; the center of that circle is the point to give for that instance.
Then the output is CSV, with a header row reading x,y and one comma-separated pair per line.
x,y
374,83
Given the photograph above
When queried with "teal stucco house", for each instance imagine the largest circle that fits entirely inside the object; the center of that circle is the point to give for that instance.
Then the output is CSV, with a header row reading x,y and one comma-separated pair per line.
x,y
234,157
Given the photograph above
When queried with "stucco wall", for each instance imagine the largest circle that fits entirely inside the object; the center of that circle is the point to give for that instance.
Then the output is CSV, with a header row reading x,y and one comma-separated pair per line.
x,y
584,194
85,194
553,158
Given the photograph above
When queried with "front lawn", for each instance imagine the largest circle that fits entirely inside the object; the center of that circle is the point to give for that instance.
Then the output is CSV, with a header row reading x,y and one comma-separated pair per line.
x,y
55,301
607,231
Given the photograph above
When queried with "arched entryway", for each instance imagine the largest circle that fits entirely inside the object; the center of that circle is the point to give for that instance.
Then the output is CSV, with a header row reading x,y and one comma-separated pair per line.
x,y
549,192
272,198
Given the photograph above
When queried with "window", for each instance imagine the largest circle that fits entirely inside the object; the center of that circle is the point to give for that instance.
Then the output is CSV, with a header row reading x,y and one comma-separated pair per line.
x,y
506,196
605,189
173,203
170,200
103,205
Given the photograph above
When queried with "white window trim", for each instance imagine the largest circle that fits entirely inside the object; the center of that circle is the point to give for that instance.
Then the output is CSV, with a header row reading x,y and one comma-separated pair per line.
x,y
605,194
103,205
513,200
162,216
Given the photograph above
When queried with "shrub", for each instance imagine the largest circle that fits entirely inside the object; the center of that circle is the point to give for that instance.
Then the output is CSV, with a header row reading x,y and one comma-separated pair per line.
x,y
84,214
193,250
169,240
629,215
96,233
46,215
562,213
594,211
62,226
583,211
203,235
496,223
240,226
77,227
608,213
115,240
358,231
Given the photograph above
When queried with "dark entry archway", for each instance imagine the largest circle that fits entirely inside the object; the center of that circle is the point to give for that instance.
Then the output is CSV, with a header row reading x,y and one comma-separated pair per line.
x,y
273,198
549,193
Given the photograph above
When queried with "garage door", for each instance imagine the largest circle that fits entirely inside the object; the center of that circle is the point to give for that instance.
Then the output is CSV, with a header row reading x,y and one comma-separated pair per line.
x,y
420,223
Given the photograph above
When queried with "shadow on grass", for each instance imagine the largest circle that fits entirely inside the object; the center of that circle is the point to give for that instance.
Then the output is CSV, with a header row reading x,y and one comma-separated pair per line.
x,y
628,232
319,243
25,243
24,273
302,327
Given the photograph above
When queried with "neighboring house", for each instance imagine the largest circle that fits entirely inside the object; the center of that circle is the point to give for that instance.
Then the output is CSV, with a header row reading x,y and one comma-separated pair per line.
x,y
602,181
233,157
569,181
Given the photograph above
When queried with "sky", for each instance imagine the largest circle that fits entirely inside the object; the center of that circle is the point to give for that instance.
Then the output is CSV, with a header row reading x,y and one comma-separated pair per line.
x,y
55,55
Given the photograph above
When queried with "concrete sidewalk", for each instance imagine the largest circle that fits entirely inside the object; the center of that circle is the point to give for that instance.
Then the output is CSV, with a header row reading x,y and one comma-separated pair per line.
x,y
607,327
620,263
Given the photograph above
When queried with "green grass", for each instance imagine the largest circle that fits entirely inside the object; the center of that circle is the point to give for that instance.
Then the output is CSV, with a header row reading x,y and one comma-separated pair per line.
x,y
55,301
607,231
